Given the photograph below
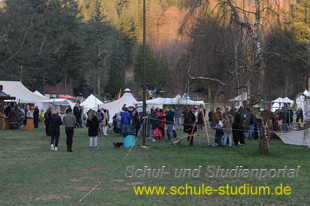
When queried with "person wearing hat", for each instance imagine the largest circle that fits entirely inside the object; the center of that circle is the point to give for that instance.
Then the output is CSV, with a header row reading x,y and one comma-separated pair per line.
x,y
55,122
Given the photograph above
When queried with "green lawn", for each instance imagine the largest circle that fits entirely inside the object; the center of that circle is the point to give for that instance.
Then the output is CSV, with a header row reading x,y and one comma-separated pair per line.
x,y
30,170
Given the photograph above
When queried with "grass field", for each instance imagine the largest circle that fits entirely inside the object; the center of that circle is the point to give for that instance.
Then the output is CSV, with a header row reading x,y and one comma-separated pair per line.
x,y
29,170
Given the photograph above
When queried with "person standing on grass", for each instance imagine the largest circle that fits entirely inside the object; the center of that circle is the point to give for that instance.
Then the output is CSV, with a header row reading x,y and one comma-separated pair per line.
x,y
36,114
41,117
216,116
125,120
189,121
162,122
169,123
77,111
238,129
99,115
105,121
21,114
227,130
200,123
93,127
136,121
55,122
47,121
210,115
13,118
177,116
69,122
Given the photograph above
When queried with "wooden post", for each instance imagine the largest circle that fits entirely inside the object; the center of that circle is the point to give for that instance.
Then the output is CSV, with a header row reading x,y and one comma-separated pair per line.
x,y
205,124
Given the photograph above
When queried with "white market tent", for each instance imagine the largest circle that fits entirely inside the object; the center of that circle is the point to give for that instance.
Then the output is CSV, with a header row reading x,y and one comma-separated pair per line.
x,y
287,100
278,100
38,93
279,103
91,102
22,94
239,99
116,106
59,104
304,103
178,100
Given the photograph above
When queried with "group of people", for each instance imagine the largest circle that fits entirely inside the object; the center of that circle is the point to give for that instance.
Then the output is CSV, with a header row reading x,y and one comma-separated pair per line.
x,y
173,119
283,119
230,126
18,115
53,122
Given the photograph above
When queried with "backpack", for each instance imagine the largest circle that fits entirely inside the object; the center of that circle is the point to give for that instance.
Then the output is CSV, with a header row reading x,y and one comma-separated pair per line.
x,y
250,118
99,116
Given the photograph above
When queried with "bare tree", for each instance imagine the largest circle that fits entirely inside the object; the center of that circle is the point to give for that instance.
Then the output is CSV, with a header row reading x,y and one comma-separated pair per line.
x,y
246,56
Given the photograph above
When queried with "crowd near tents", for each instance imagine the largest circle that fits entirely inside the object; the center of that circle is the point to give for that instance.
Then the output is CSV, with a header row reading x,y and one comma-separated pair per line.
x,y
91,102
116,106
22,95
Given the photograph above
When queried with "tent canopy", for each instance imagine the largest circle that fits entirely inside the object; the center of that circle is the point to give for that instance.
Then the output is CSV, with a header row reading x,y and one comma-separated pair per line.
x,y
38,93
304,103
91,102
67,97
295,137
240,98
57,103
283,100
116,106
278,100
177,100
22,94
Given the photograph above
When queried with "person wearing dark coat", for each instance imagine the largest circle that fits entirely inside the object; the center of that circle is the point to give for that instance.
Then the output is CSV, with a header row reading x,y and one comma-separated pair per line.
x,y
13,118
36,115
93,127
189,121
77,111
136,121
55,122
238,129
169,123
47,121
299,115
126,118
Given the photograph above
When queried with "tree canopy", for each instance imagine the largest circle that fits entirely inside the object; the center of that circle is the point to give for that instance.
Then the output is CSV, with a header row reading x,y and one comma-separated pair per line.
x,y
219,48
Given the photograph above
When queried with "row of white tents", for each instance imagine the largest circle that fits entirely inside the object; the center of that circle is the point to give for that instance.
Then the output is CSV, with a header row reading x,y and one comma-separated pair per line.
x,y
24,95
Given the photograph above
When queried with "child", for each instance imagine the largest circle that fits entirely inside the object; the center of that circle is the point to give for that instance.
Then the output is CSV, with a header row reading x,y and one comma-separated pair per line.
x,y
219,132
41,117
227,130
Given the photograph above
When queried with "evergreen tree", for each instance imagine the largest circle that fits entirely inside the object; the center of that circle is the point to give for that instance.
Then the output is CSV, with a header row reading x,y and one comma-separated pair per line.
x,y
301,20
155,69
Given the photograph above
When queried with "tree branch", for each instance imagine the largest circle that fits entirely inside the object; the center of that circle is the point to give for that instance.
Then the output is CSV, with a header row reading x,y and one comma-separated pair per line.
x,y
207,78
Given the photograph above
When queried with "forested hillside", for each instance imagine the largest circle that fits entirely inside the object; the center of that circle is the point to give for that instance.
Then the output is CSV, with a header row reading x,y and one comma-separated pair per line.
x,y
215,48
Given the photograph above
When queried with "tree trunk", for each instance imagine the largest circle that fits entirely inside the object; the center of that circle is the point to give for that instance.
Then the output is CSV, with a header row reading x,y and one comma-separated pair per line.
x,y
259,60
